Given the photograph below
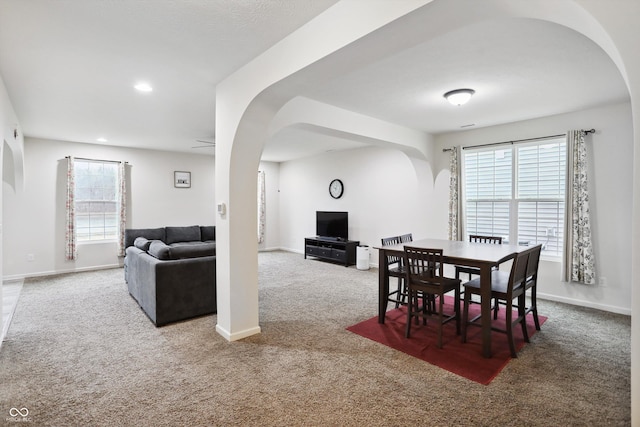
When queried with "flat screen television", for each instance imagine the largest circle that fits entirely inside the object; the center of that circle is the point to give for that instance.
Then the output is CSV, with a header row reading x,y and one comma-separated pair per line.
x,y
332,225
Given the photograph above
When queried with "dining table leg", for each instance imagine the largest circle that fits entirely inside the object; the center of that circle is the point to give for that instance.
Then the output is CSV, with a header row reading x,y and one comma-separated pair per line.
x,y
383,285
485,307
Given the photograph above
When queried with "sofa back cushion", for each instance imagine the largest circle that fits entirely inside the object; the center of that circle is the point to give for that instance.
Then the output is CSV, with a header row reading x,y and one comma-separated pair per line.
x,y
192,250
182,234
162,251
208,233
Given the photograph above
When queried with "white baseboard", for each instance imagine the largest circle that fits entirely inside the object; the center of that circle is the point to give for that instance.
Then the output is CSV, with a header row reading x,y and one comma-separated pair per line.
x,y
237,335
295,251
57,272
589,304
269,249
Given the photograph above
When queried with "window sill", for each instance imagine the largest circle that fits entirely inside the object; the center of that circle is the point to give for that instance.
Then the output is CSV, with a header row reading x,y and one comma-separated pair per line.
x,y
96,242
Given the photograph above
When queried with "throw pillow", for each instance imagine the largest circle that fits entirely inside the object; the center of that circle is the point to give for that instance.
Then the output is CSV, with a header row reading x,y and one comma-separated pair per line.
x,y
159,249
142,243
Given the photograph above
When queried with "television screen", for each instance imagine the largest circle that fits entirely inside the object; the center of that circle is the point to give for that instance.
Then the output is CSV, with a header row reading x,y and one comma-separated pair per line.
x,y
334,225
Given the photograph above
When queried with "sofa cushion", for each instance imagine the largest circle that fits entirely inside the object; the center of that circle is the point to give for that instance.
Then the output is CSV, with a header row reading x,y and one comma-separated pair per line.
x,y
142,243
182,234
192,250
208,233
130,234
159,249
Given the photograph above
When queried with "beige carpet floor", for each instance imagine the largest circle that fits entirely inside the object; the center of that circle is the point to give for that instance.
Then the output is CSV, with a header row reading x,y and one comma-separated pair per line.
x,y
80,352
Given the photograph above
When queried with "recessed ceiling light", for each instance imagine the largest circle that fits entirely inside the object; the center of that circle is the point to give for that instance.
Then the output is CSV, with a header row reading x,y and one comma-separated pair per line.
x,y
101,139
143,87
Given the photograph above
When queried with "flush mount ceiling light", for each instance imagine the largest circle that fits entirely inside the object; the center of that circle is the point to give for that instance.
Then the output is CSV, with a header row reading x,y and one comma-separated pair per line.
x,y
143,87
102,139
459,96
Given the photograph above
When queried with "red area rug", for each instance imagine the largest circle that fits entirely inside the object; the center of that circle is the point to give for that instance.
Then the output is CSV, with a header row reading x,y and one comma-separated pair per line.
x,y
462,359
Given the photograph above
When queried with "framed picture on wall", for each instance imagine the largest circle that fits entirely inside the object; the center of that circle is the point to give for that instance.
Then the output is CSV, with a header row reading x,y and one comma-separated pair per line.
x,y
182,179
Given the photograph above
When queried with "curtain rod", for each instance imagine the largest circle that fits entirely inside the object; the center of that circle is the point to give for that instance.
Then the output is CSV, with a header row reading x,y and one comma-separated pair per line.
x,y
519,140
98,160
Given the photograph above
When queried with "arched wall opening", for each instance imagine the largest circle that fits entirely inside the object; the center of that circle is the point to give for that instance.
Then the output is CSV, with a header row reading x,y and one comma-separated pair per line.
x,y
246,106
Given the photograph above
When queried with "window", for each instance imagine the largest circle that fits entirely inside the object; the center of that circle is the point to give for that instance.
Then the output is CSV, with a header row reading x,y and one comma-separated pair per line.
x,y
96,200
517,192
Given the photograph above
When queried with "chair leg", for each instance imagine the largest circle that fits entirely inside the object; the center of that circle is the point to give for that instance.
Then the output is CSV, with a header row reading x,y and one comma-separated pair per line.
x,y
456,309
522,315
405,294
496,307
409,313
465,315
509,319
399,294
535,318
440,310
534,307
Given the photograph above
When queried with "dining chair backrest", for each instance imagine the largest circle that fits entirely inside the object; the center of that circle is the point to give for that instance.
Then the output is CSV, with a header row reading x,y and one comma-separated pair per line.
x,y
388,241
406,238
475,238
532,283
423,263
518,275
534,261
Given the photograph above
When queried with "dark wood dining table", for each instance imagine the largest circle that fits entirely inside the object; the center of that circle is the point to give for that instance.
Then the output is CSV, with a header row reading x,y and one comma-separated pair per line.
x,y
479,255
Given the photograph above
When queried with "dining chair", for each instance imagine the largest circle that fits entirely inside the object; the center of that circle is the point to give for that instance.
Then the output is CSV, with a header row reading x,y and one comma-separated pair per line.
x,y
425,278
405,238
505,287
476,238
396,269
532,283
471,271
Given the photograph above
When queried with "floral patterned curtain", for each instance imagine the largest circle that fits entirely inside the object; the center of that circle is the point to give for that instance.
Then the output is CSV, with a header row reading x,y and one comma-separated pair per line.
x,y
261,207
579,263
71,248
122,206
454,199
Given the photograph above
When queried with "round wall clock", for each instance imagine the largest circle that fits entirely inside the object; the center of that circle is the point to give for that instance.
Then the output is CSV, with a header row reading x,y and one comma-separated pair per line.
x,y
336,188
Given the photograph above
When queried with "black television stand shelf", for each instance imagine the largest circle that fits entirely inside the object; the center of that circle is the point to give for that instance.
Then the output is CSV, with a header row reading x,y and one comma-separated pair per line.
x,y
342,251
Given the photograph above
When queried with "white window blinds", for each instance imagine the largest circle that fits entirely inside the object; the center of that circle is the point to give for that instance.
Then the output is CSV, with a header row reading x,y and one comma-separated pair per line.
x,y
517,192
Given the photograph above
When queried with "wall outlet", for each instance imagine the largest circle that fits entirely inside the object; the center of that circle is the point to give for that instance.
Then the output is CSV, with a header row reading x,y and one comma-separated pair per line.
x,y
31,257
604,282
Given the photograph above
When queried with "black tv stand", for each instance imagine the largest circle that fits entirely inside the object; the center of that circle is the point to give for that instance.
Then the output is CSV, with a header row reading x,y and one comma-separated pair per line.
x,y
331,249
329,239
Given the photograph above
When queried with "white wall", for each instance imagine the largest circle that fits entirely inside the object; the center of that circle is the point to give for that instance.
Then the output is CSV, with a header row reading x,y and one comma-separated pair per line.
x,y
611,170
386,194
34,219
11,147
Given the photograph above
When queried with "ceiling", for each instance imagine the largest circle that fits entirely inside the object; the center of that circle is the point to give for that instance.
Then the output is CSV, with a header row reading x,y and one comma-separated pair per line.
x,y
70,65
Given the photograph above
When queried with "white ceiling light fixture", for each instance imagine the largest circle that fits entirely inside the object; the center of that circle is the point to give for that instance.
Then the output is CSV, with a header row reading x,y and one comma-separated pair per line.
x,y
143,87
459,96
102,139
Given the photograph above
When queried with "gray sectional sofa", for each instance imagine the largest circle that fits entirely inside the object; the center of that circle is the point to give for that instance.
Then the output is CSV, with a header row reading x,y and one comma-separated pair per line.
x,y
171,271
